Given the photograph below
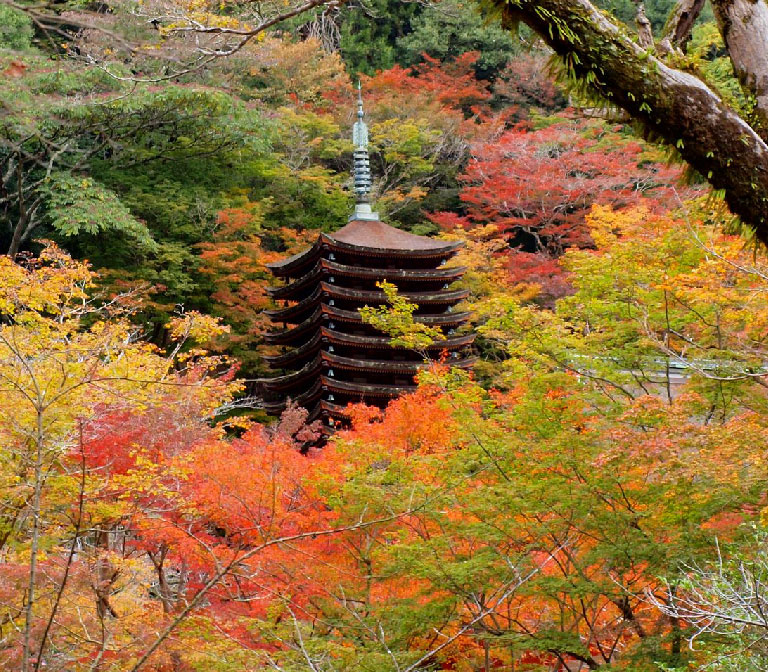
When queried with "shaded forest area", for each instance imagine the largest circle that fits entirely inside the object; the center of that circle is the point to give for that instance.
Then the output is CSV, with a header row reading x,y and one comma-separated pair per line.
x,y
592,497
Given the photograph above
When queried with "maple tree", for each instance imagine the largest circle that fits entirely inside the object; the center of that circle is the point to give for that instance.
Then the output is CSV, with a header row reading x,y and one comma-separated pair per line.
x,y
652,82
58,376
563,511
536,186
600,476
133,528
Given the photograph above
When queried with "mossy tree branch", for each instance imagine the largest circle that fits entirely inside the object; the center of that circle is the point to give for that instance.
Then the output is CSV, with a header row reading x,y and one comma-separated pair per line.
x,y
672,104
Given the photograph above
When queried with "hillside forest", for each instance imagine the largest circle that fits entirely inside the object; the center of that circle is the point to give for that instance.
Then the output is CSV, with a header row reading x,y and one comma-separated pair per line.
x,y
591,496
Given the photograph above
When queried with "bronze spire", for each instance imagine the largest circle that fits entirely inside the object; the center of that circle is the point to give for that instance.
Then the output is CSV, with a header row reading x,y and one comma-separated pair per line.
x,y
362,167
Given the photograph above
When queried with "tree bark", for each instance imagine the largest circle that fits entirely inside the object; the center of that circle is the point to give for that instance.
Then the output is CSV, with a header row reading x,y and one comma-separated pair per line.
x,y
644,29
672,104
744,27
679,25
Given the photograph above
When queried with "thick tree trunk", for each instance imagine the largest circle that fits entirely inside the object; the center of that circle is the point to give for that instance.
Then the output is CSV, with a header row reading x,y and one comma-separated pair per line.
x,y
679,25
744,27
673,104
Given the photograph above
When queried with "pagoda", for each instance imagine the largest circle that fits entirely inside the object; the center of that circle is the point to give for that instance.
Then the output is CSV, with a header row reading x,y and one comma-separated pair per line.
x,y
330,357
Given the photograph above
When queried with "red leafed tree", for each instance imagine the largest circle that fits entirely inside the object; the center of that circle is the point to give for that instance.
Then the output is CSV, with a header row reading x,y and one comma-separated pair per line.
x,y
536,186
235,263
526,81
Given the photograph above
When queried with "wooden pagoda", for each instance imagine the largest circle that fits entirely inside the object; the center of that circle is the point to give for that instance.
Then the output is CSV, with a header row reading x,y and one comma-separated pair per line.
x,y
330,356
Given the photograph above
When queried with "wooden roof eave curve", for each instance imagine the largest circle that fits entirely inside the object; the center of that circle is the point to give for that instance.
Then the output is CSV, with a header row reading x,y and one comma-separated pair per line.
x,y
365,389
325,241
312,394
384,342
288,335
335,410
292,380
285,267
444,319
376,365
450,273
419,298
289,313
389,366
330,268
284,359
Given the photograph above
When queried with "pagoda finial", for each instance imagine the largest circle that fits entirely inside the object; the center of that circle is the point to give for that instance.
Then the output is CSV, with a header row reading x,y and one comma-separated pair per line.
x,y
362,167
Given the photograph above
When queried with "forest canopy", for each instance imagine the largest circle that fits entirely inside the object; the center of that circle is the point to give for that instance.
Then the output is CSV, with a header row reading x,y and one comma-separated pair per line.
x,y
592,495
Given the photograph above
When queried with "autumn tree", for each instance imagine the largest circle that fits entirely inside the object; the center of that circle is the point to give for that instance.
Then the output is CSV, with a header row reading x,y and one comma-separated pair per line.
x,y
133,529
725,144
62,365
535,186
602,475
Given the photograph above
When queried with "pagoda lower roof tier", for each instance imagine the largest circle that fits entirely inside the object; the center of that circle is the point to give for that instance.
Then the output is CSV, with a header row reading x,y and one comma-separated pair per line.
x,y
366,239
364,389
292,380
381,343
330,313
357,392
309,371
326,290
384,341
330,269
307,399
334,410
328,360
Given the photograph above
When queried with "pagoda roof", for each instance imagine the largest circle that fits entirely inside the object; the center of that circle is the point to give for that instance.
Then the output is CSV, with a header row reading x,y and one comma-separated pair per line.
x,y
285,358
449,273
291,380
367,238
325,267
340,338
376,235
363,296
312,394
365,389
386,366
309,348
375,365
286,314
377,296
356,317
336,410
289,335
